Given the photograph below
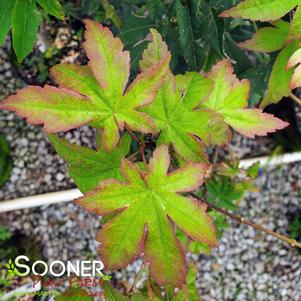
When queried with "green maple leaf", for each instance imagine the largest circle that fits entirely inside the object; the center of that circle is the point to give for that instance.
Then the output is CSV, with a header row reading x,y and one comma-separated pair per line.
x,y
179,123
229,97
224,192
281,76
146,202
282,36
174,113
86,166
93,94
262,10
262,41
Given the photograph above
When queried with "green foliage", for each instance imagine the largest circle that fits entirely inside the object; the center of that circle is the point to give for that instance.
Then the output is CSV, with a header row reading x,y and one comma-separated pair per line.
x,y
5,161
151,195
280,36
223,192
149,199
295,227
74,294
24,19
4,233
86,166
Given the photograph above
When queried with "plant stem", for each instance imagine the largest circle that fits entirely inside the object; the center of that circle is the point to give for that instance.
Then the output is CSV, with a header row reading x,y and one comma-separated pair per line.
x,y
138,276
296,99
135,138
138,141
243,220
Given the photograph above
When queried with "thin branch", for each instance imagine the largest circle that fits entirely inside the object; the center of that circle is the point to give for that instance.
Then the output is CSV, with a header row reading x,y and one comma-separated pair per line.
x,y
138,276
142,148
296,99
138,140
243,220
135,138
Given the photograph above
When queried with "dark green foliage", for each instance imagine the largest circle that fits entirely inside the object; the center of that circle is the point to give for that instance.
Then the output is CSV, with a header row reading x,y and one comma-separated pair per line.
x,y
24,18
223,192
5,161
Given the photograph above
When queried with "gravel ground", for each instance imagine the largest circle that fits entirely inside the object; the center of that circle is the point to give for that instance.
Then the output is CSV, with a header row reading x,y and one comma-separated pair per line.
x,y
246,266
252,266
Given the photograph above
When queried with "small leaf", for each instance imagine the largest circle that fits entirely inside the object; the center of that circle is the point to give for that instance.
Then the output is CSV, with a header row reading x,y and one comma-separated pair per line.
x,y
74,294
52,7
6,11
111,294
25,23
261,40
4,233
223,192
253,170
262,10
280,77
230,97
146,202
86,166
154,52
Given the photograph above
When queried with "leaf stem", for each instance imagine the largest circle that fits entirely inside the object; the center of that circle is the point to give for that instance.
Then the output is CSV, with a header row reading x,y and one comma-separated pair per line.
x,y
133,135
138,276
245,221
138,141
296,99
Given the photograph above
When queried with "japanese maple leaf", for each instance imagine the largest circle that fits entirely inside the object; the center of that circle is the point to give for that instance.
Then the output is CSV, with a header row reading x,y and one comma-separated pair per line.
x,y
229,98
93,94
179,123
88,167
148,203
173,109
263,10
280,35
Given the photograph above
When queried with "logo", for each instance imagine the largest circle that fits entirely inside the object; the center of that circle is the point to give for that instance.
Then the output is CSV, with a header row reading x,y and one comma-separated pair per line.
x,y
22,267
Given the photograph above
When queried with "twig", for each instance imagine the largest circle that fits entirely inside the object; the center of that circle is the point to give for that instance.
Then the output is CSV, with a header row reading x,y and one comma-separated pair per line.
x,y
138,276
296,99
137,140
243,220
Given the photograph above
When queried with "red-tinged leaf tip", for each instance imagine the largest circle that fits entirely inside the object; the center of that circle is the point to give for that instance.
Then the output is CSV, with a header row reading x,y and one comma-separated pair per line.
x,y
296,78
89,200
160,161
294,60
108,246
49,106
107,60
194,171
263,123
157,266
155,51
207,237
159,70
